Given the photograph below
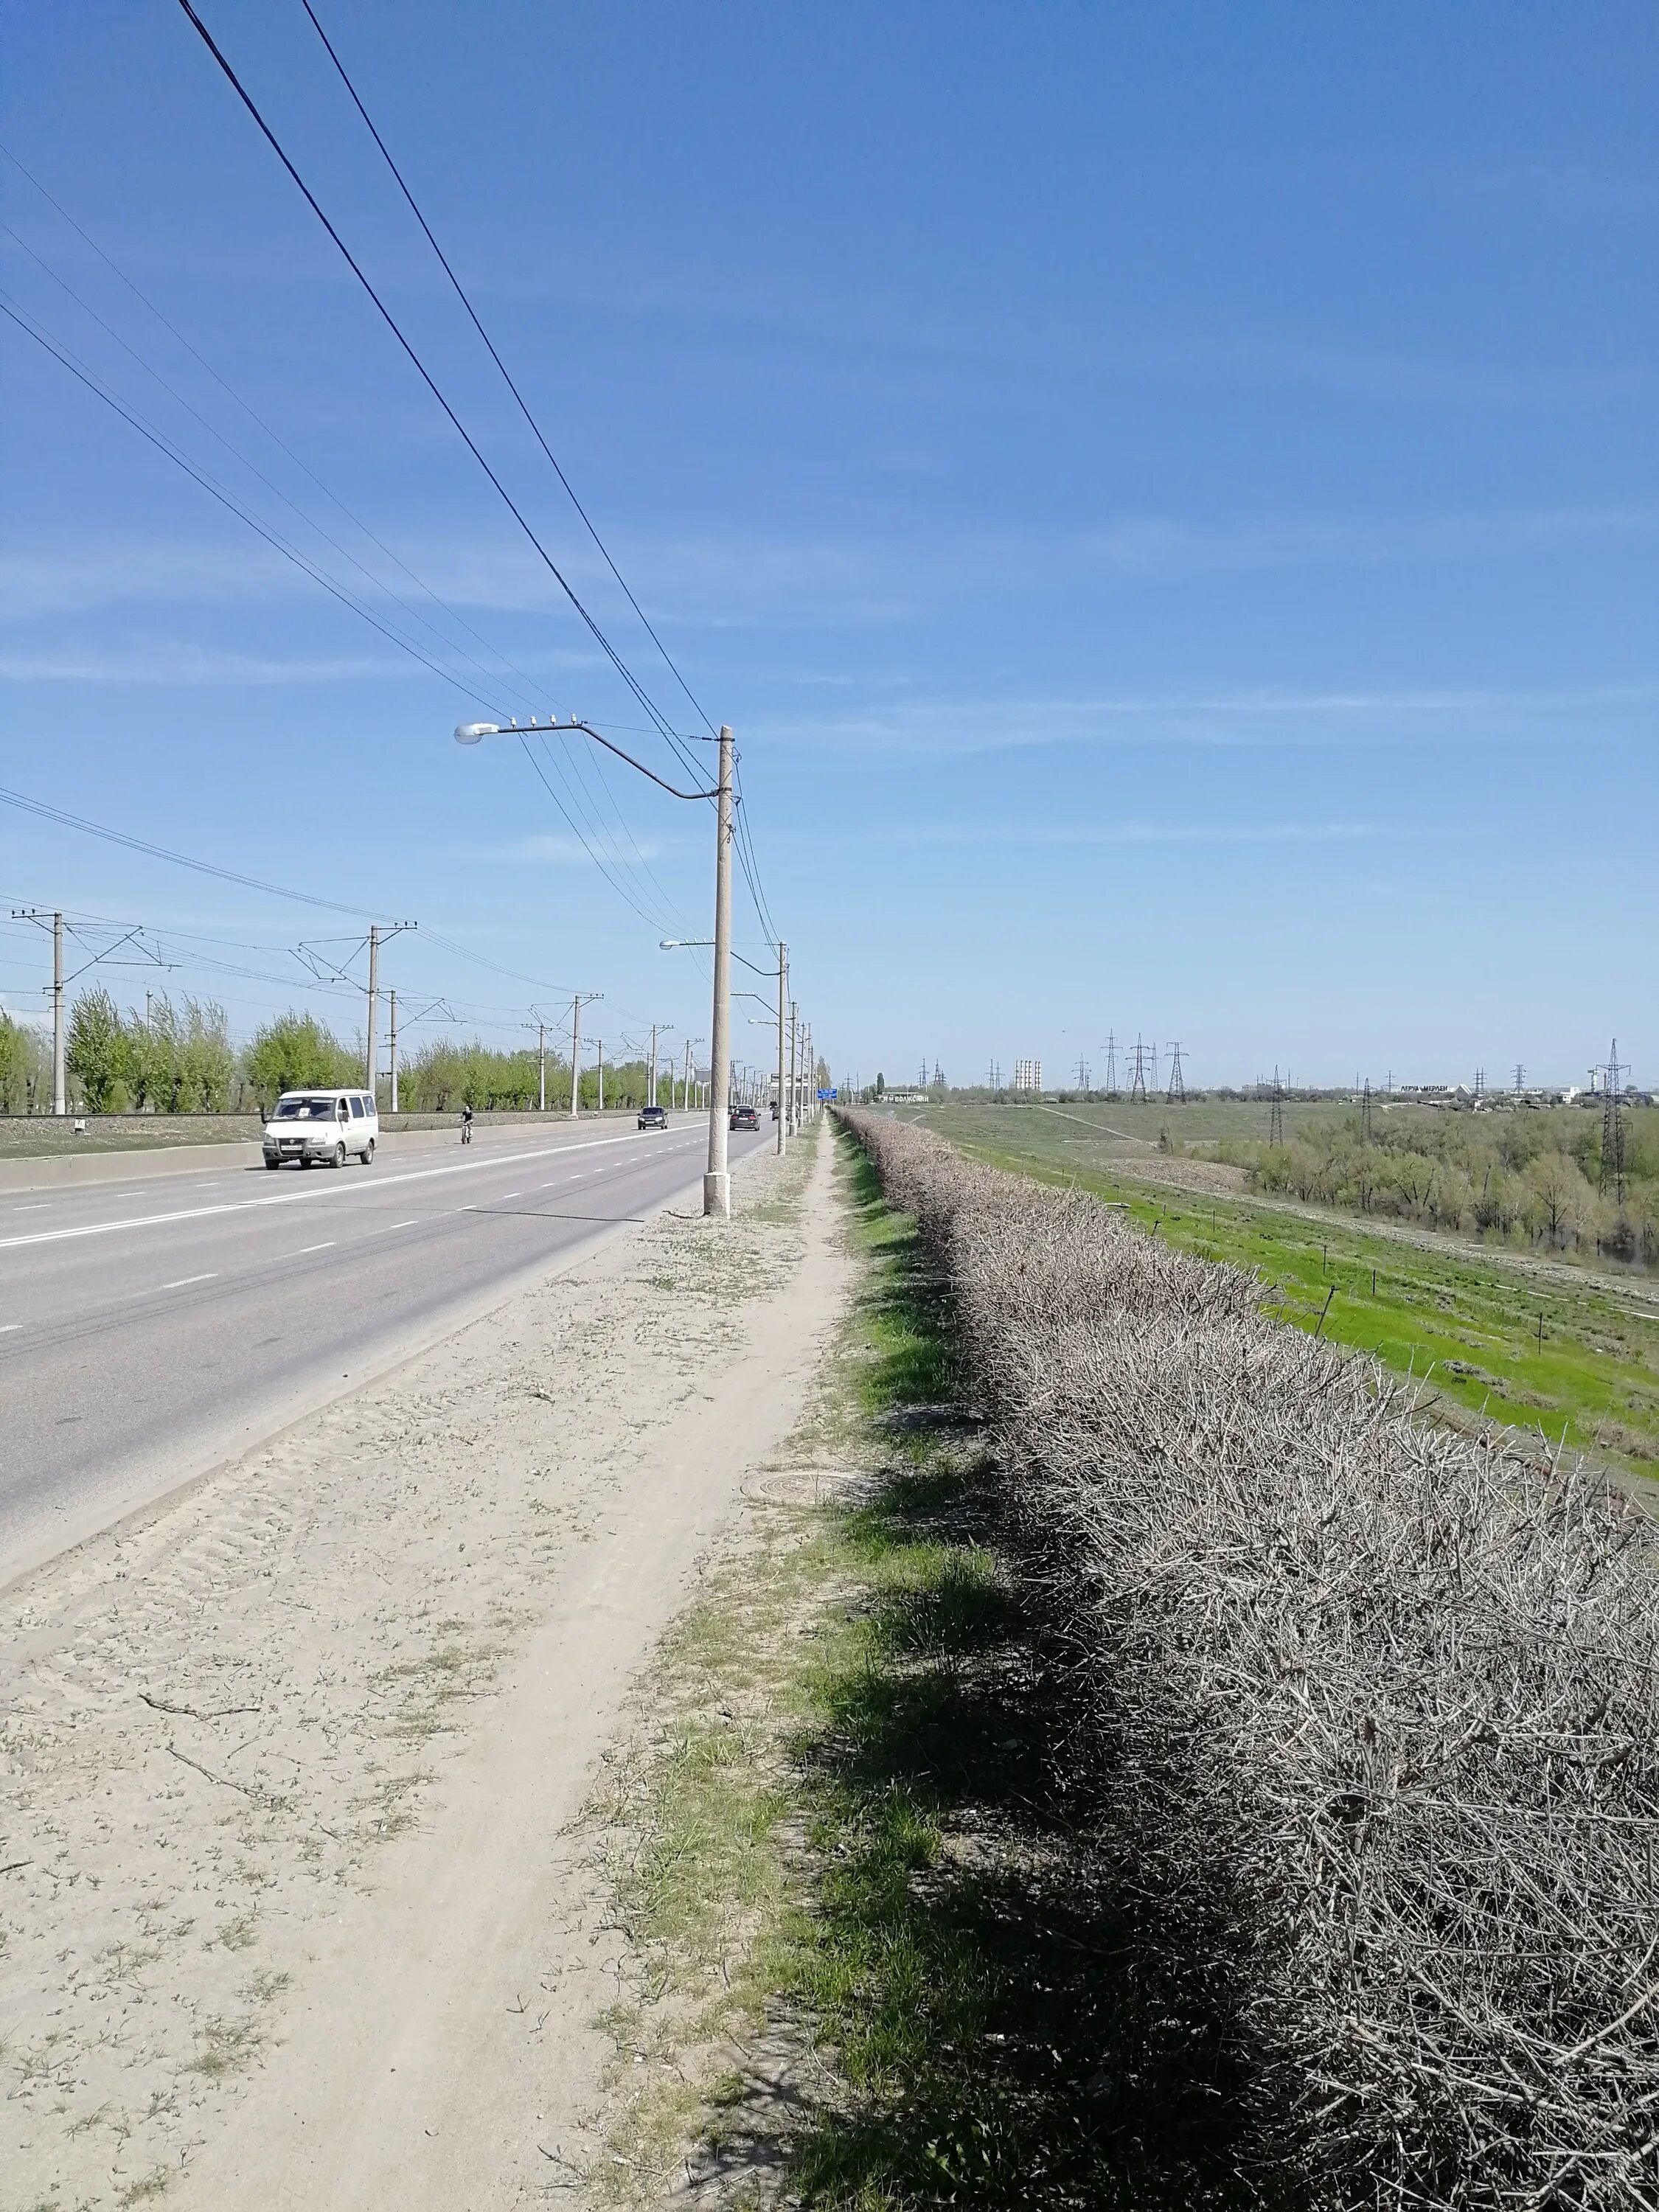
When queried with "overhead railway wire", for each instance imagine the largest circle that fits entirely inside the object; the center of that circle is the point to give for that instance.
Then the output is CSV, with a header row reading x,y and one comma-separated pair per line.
x,y
68,821
743,838
227,500
254,417
523,405
528,692
424,374
313,569
271,537
168,951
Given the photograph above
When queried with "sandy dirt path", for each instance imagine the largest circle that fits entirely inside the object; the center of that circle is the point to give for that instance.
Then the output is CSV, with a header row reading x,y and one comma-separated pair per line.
x,y
289,1766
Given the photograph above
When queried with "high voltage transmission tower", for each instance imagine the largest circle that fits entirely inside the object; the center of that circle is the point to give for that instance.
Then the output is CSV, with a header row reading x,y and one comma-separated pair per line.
x,y
1138,1074
1083,1074
1366,1112
1612,1127
1111,1064
1177,1093
1520,1079
1276,1116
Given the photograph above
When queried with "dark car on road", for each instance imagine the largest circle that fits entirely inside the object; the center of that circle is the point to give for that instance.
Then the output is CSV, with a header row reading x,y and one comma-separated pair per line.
x,y
652,1117
744,1117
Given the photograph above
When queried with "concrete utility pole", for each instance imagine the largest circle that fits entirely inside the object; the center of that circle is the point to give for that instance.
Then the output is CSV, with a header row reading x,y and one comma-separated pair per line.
x,y
599,1049
794,1057
717,1182
685,1100
373,991
541,1067
59,1087
578,1000
651,1080
392,1042
783,993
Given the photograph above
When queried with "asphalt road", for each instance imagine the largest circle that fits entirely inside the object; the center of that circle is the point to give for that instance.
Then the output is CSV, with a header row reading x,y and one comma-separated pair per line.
x,y
147,1333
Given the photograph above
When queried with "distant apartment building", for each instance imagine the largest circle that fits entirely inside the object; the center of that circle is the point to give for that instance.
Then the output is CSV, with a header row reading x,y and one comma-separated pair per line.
x,y
1028,1075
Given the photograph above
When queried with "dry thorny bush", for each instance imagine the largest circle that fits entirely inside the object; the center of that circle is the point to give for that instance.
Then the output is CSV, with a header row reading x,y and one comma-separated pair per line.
x,y
1370,1706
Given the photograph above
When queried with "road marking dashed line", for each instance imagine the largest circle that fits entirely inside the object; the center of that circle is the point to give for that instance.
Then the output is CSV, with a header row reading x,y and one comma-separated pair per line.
x,y
300,1197
184,1281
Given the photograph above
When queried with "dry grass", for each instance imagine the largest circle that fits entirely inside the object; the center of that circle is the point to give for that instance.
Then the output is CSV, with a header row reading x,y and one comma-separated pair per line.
x,y
1366,1742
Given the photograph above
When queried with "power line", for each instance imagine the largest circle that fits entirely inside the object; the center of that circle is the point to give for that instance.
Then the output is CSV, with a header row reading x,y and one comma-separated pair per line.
x,y
533,693
162,853
744,840
490,345
308,568
216,490
68,821
422,370
253,415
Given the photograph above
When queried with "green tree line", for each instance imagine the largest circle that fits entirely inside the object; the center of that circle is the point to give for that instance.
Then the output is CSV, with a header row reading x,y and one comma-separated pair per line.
x,y
178,1059
1518,1177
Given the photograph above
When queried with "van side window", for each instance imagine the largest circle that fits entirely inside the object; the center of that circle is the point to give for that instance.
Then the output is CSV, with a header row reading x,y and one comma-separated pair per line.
x,y
356,1108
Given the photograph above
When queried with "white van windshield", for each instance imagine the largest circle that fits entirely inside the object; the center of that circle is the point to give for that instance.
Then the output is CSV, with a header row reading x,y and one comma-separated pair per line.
x,y
305,1110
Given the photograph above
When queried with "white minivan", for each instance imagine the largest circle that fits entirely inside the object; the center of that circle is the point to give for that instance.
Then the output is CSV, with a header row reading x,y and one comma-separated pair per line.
x,y
309,1126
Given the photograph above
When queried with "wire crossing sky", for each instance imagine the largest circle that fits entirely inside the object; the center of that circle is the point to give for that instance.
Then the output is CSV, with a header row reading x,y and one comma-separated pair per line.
x,y
1167,503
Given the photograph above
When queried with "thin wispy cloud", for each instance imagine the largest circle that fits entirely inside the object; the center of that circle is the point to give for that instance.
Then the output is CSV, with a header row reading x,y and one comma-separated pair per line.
x,y
158,661
571,851
1070,835
1244,717
734,581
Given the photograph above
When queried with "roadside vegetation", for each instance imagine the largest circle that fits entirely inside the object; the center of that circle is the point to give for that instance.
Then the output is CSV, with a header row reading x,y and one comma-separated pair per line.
x,y
1365,1746
861,1970
1529,1179
1178,1777
178,1059
1567,1352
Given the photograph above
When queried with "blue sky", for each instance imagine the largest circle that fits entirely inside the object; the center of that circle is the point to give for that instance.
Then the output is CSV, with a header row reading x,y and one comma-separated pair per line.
x,y
1169,500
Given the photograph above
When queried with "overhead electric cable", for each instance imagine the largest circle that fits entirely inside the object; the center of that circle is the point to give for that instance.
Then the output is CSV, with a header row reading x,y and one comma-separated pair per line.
x,y
214,491
744,840
425,374
68,821
653,921
489,343
254,417
318,575
161,853
532,694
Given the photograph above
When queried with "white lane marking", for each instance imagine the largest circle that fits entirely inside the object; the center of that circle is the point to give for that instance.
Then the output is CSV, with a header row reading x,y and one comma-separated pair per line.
x,y
184,1281
506,1194
410,1224
10,1328
304,1248
301,1197
36,1206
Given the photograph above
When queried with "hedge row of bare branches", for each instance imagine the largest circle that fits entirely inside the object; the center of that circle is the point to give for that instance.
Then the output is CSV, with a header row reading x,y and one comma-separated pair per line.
x,y
1373,1703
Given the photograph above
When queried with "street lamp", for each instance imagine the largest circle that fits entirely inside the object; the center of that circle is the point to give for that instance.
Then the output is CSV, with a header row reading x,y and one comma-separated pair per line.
x,y
782,971
717,1182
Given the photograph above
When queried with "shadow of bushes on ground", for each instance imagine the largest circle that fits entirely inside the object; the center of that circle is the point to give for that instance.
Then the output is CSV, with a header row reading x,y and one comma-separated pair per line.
x,y
1008,2028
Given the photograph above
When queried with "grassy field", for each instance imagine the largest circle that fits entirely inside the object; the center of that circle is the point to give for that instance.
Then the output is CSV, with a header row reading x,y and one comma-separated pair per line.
x,y
1568,1353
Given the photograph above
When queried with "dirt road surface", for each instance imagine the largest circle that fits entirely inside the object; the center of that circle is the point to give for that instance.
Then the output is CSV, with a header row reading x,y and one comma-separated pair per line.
x,y
291,1912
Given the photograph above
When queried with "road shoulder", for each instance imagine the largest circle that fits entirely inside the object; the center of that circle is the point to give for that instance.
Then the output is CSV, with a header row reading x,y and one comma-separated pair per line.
x,y
289,1766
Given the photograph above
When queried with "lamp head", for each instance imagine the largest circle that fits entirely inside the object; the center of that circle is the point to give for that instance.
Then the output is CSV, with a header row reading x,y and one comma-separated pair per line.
x,y
468,733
